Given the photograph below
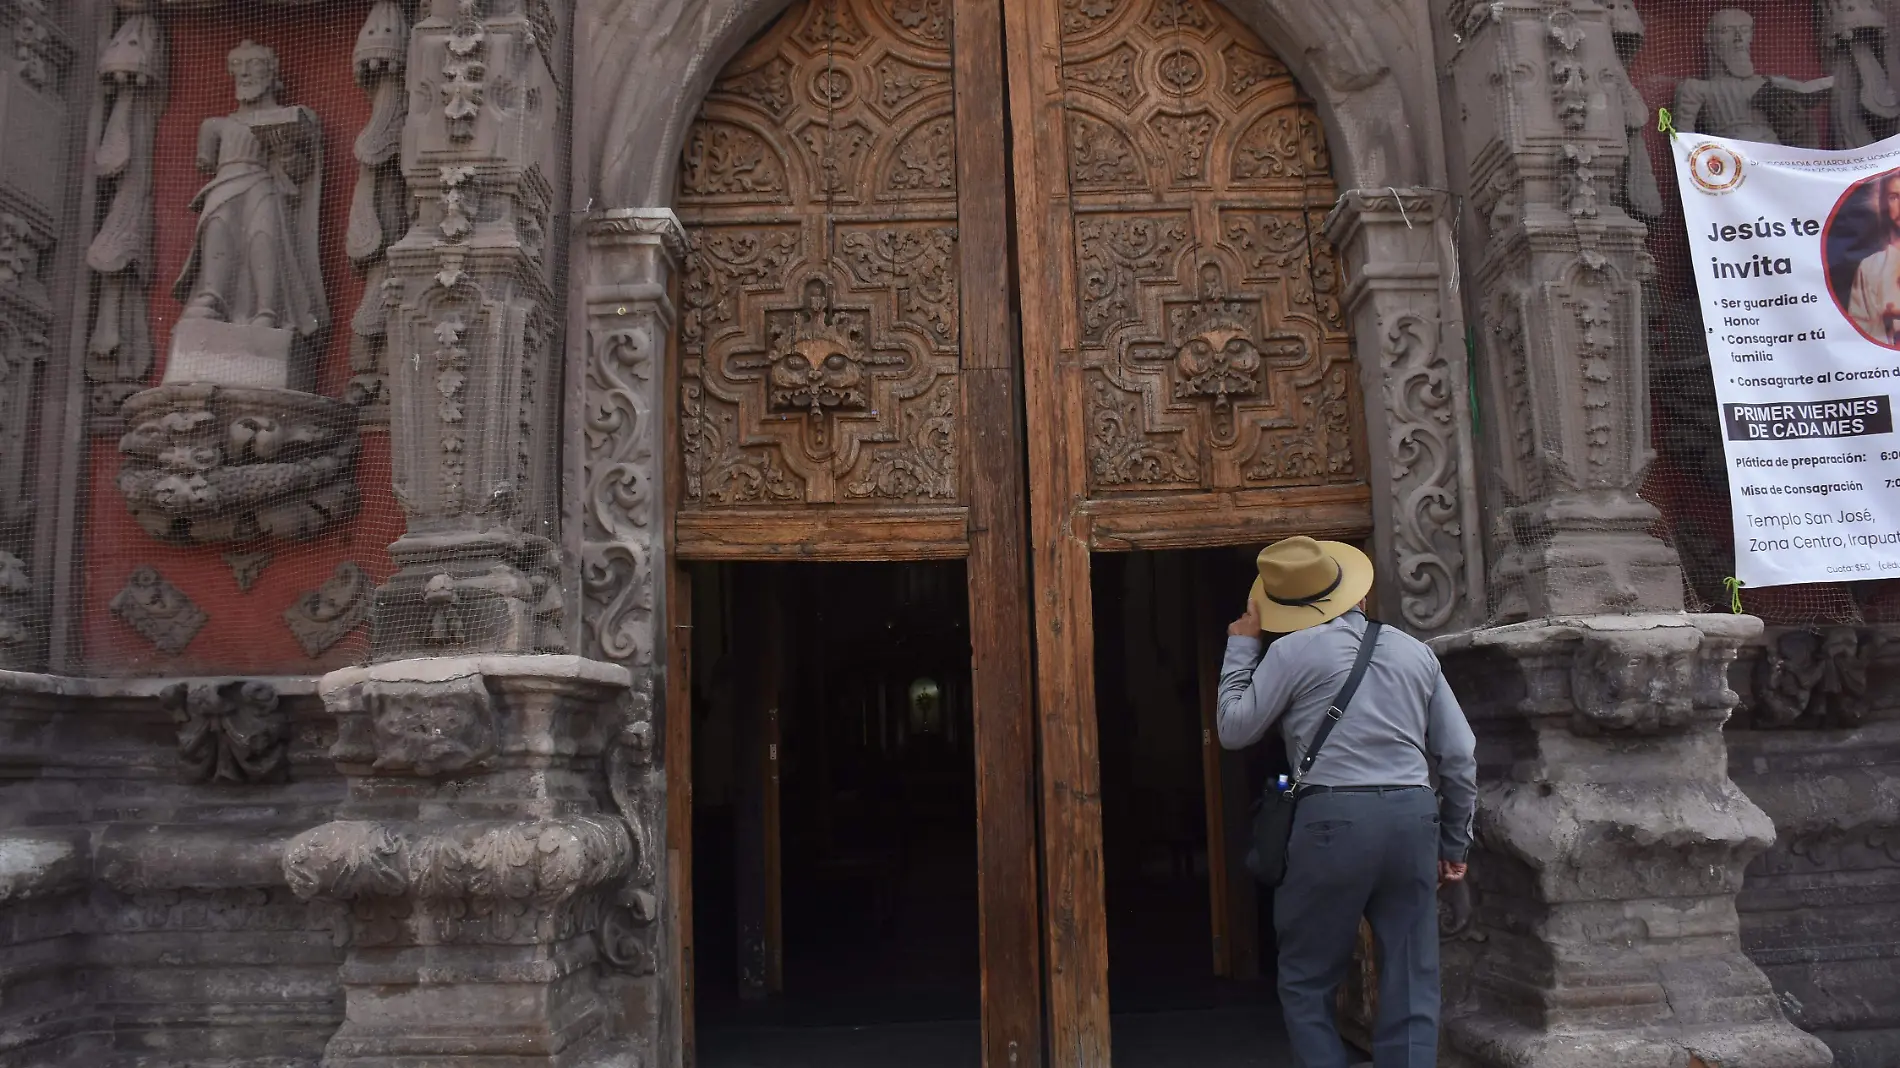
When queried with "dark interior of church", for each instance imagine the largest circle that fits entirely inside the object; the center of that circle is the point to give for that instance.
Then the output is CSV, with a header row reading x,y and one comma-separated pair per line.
x,y
835,855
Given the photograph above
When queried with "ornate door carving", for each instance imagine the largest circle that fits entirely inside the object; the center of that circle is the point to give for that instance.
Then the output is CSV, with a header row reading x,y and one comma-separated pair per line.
x,y
1215,354
819,335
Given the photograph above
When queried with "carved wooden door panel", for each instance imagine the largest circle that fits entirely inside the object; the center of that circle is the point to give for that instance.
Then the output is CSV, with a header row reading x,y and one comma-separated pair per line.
x,y
820,337
1186,362
1218,385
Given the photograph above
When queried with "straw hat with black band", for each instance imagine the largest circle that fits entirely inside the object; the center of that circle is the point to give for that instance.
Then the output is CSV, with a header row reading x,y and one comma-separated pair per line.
x,y
1304,583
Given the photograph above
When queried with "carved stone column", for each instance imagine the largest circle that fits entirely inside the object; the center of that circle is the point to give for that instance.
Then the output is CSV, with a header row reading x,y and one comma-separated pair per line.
x,y
627,263
474,326
1413,373
485,882
1610,839
1558,292
1611,848
33,118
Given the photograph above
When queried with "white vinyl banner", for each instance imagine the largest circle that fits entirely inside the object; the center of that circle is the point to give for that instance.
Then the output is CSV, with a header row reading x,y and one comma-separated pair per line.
x,y
1797,262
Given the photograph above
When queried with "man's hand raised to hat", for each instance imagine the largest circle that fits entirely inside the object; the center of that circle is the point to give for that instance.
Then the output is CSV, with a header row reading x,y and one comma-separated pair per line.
x,y
1247,626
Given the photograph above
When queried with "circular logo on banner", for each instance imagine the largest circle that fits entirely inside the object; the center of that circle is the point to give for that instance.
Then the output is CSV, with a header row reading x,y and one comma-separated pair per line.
x,y
1714,169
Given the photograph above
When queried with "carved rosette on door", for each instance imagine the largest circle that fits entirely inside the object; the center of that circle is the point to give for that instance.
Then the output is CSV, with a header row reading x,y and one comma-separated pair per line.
x,y
1216,350
819,338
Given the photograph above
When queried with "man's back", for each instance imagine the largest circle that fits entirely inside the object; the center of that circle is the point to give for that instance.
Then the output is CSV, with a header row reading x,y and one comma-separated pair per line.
x,y
1402,722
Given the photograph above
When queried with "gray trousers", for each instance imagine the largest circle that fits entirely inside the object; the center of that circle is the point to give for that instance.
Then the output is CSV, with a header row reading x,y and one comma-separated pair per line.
x,y
1351,855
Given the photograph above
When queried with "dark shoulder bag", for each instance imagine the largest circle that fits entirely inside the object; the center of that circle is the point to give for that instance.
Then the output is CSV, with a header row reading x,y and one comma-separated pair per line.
x,y
1273,814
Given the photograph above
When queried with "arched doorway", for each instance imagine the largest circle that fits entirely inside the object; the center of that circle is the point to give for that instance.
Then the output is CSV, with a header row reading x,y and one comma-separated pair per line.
x,y
872,366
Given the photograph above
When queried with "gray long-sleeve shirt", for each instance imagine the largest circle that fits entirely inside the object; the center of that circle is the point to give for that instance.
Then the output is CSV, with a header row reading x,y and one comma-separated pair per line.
x,y
1401,725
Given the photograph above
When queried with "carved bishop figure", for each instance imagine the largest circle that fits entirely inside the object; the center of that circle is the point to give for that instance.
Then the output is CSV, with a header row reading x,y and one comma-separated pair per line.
x,y
253,261
1734,101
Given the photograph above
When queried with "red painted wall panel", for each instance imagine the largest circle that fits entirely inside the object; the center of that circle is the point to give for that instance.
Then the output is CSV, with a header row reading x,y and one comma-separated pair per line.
x,y
246,632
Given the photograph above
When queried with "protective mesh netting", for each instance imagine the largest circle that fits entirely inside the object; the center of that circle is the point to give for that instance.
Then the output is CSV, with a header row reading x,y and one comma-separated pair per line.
x,y
1803,40
189,555
235,199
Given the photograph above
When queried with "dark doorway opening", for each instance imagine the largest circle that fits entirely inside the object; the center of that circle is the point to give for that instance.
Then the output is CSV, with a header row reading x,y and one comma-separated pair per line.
x,y
834,815
1190,939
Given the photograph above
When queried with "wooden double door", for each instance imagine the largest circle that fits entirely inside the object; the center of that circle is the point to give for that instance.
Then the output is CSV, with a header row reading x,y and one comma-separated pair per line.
x,y
1014,282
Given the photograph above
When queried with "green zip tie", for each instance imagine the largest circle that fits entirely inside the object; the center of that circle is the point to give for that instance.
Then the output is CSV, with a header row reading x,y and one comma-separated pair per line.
x,y
1666,124
1734,587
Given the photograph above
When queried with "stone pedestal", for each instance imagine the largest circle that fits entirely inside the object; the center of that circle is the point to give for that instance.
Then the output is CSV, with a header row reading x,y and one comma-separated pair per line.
x,y
228,354
1611,845
483,877
213,464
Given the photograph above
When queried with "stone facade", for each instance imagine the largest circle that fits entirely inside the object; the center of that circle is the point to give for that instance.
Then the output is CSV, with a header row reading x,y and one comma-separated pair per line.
x,y
458,851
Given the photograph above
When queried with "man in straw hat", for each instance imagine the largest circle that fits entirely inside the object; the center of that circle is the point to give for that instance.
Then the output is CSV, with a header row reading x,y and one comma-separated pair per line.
x,y
1369,837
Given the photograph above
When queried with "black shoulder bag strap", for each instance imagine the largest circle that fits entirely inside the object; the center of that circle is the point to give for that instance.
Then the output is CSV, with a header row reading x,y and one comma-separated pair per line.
x,y
1338,708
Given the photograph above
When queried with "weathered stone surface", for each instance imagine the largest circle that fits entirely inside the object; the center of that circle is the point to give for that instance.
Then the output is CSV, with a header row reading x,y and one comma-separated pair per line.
x,y
473,831
1611,845
1816,743
144,918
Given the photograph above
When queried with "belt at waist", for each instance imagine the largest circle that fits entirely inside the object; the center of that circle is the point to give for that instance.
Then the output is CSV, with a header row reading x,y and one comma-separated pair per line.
x,y
1304,790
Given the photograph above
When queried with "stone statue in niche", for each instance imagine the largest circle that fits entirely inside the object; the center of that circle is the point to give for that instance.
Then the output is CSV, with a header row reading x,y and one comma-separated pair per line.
x,y
1732,100
1857,42
252,287
232,447
1637,193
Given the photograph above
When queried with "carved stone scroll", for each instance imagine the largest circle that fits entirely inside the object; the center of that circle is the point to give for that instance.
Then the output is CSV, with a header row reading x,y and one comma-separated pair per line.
x,y
819,350
1425,504
133,69
470,304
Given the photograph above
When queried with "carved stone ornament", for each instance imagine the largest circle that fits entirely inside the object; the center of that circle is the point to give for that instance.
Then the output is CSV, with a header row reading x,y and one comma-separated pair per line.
x,y
132,71
1856,41
158,610
472,307
1638,192
516,881
379,210
1814,678
321,618
820,351
208,464
247,567
1733,100
252,286
16,607
431,729
229,731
